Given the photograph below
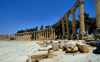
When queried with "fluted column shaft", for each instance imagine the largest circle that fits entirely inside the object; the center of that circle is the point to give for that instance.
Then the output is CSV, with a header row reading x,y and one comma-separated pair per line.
x,y
82,23
73,22
97,8
63,30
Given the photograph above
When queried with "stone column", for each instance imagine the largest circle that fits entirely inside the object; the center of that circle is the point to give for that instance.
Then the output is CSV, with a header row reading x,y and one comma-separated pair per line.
x,y
63,30
49,33
97,9
74,35
52,32
34,35
82,23
67,24
73,22
45,34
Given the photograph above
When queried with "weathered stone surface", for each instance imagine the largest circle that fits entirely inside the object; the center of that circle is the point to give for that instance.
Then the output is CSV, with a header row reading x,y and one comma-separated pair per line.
x,y
83,47
50,47
43,49
62,43
51,60
41,44
71,47
48,42
39,55
55,45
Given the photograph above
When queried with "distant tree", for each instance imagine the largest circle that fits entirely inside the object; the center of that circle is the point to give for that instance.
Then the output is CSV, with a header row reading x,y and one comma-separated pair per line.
x,y
41,27
36,28
21,31
47,26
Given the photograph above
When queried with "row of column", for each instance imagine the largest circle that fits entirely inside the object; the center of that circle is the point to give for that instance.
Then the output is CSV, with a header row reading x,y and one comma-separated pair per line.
x,y
47,34
82,24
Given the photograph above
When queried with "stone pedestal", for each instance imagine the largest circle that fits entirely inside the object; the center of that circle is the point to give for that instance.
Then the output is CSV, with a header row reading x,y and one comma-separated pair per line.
x,y
74,36
69,37
81,36
97,33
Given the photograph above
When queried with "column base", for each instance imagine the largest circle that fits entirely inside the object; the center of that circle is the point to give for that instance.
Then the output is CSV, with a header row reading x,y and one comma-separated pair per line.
x,y
81,36
97,33
69,37
74,36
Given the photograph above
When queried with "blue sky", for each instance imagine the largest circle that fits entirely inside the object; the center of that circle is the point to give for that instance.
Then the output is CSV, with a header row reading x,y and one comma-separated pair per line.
x,y
24,14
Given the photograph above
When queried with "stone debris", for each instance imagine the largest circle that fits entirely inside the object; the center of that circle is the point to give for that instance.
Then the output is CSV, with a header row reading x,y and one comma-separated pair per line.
x,y
83,47
39,55
62,43
48,42
52,60
50,47
43,49
55,45
71,47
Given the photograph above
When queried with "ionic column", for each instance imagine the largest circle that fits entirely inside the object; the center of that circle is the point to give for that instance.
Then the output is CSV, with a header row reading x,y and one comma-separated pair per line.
x,y
73,22
67,24
45,34
82,23
63,30
97,8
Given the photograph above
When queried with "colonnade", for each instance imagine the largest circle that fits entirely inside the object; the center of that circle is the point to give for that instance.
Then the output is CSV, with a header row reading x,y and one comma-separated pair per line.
x,y
79,4
46,34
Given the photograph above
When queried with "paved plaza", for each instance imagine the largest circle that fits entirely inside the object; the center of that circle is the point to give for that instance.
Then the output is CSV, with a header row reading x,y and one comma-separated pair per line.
x,y
17,51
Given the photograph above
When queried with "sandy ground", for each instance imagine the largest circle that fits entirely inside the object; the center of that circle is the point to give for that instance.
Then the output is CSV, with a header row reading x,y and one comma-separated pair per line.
x,y
77,57
17,51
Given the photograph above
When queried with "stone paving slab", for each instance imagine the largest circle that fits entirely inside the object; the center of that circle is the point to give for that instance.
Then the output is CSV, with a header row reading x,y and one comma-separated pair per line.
x,y
17,51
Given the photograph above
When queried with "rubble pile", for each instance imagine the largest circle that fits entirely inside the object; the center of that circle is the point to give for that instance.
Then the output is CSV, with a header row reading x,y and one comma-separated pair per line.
x,y
48,46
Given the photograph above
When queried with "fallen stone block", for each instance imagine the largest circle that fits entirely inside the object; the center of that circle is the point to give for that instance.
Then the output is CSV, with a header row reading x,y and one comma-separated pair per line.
x,y
62,43
82,47
50,47
72,50
39,55
48,42
55,45
70,47
51,60
43,49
